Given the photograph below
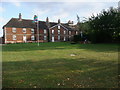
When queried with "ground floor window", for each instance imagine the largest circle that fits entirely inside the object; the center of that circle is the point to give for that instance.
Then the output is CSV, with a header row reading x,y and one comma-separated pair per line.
x,y
14,37
32,37
58,37
45,38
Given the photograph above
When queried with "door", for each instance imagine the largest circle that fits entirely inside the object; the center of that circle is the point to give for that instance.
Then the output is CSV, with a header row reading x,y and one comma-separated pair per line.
x,y
64,39
52,38
24,38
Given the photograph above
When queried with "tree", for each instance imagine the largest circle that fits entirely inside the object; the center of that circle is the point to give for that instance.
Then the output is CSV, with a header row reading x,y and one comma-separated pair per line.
x,y
105,26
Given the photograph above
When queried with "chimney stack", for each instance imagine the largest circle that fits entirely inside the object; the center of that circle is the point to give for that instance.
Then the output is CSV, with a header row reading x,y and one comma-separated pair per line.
x,y
47,22
58,20
70,22
20,17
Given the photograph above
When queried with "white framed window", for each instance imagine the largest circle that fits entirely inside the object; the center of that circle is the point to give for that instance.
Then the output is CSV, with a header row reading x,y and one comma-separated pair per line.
x,y
58,31
24,30
32,37
58,27
14,37
76,32
64,32
14,30
45,31
58,37
64,38
45,38
70,32
52,31
32,30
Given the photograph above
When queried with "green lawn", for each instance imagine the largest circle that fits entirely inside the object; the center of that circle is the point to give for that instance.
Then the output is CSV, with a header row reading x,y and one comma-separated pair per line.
x,y
51,65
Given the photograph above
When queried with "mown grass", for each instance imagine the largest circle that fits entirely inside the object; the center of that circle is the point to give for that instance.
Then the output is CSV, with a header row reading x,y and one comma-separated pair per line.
x,y
51,65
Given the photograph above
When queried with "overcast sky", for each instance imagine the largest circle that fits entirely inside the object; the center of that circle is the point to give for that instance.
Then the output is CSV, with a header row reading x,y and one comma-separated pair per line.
x,y
54,10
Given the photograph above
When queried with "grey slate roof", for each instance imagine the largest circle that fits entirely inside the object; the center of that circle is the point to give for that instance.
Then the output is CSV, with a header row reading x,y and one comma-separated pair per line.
x,y
14,22
26,23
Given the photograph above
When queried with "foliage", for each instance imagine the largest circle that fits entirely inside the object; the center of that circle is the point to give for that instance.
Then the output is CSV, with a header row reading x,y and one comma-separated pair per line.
x,y
76,38
103,28
106,26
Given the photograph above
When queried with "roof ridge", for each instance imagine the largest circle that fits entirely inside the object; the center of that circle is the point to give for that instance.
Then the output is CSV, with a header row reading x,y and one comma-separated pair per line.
x,y
27,19
39,21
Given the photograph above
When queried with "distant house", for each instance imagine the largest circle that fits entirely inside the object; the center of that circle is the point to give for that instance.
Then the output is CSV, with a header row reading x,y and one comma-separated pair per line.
x,y
1,40
19,30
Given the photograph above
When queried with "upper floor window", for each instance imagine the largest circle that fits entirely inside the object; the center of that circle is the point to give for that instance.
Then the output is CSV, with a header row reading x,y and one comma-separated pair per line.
x,y
58,31
52,31
14,30
14,37
58,27
32,30
45,31
70,32
24,30
64,32
32,37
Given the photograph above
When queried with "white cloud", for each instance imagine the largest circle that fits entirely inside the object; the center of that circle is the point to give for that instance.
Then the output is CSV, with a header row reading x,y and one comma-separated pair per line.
x,y
64,0
39,12
60,13
2,9
15,2
59,16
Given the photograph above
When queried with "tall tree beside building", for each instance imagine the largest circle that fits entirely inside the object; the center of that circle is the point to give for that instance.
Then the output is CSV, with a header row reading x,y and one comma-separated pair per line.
x,y
105,26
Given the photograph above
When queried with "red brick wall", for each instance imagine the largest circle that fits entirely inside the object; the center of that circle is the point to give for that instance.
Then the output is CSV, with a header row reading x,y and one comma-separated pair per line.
x,y
19,35
62,35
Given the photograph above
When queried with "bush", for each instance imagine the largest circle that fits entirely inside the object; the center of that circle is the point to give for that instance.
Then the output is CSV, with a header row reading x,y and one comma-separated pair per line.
x,y
76,38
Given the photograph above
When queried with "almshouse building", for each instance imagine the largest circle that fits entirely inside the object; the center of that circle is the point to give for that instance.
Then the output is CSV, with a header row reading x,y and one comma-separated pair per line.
x,y
19,30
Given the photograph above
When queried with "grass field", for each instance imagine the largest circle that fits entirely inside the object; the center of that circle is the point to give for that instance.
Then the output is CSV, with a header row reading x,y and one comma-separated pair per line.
x,y
51,65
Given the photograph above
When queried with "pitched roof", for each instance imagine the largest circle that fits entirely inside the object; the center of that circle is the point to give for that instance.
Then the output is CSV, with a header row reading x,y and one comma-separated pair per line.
x,y
26,23
14,22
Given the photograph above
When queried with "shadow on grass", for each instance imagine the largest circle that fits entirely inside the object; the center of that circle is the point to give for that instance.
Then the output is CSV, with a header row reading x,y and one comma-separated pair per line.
x,y
33,46
100,47
57,73
60,46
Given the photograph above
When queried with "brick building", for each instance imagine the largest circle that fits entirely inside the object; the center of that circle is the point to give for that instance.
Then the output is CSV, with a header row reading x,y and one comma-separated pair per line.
x,y
19,30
